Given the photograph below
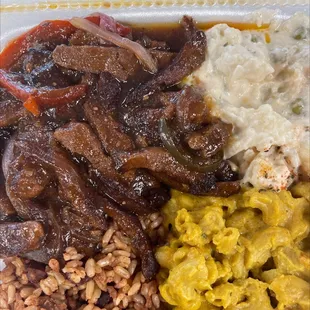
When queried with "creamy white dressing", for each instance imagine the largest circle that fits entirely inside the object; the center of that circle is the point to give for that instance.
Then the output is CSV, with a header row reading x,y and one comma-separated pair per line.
x,y
259,81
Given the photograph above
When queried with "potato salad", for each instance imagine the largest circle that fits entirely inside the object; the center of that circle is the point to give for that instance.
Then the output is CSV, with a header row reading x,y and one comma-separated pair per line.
x,y
258,80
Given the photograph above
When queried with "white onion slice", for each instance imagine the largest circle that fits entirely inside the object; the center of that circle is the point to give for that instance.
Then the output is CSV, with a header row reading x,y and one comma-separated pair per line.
x,y
140,52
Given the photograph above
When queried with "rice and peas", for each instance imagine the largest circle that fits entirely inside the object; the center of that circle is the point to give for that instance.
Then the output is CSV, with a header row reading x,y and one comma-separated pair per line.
x,y
111,280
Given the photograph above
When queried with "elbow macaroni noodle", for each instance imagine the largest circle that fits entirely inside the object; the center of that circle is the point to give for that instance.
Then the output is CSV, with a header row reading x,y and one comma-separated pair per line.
x,y
249,251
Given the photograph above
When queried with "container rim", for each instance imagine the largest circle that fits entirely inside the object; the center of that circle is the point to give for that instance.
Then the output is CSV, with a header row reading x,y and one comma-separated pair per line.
x,y
8,6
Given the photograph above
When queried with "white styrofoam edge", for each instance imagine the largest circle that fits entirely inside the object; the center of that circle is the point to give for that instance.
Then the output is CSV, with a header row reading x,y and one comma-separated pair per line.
x,y
13,24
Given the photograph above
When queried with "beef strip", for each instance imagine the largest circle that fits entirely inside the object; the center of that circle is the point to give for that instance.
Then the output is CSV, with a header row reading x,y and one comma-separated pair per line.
x,y
226,173
81,37
113,139
121,63
35,271
31,59
19,238
49,75
68,137
49,303
157,159
56,237
109,131
81,232
29,179
11,109
35,143
153,44
191,110
7,211
25,208
146,185
132,227
70,182
39,69
224,189
73,189
191,56
79,139
144,121
210,139
107,91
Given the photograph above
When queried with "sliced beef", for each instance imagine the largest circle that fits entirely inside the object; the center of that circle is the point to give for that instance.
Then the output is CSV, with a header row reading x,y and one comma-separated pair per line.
x,y
144,121
191,56
80,139
130,224
210,139
35,142
34,151
153,44
71,185
158,160
225,172
49,303
7,211
118,62
191,110
107,92
39,69
80,230
49,75
29,179
19,238
35,271
110,132
114,139
149,187
163,58
224,189
73,189
81,37
121,63
11,109
56,239
31,59
24,207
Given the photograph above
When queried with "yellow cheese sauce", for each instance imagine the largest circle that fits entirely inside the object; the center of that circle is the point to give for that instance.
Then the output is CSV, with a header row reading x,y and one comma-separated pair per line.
x,y
248,251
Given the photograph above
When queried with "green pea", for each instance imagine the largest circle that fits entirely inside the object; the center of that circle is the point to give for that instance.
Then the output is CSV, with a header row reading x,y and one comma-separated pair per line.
x,y
254,39
297,106
300,33
204,235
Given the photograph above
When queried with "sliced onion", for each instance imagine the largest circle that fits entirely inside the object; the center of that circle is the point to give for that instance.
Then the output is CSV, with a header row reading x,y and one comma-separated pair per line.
x,y
140,52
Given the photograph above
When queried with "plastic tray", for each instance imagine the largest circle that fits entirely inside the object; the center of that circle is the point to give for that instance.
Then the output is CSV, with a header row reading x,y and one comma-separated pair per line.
x,y
18,16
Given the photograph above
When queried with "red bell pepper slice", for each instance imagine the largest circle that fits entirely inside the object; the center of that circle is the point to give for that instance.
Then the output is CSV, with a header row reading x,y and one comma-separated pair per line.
x,y
16,88
57,31
32,106
34,98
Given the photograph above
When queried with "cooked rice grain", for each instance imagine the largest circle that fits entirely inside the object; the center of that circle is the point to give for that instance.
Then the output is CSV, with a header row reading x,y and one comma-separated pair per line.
x,y
80,284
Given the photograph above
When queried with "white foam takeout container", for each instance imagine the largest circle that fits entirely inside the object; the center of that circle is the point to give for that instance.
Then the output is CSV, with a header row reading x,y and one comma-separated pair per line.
x,y
20,15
